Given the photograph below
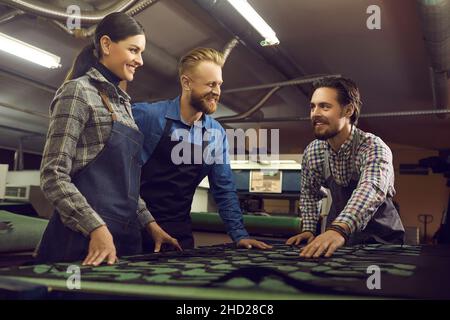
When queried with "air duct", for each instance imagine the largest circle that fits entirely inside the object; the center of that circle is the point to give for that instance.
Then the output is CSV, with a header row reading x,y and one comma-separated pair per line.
x,y
435,16
40,9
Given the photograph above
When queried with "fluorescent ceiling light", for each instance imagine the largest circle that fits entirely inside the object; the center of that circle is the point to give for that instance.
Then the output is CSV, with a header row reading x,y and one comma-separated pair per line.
x,y
247,11
28,52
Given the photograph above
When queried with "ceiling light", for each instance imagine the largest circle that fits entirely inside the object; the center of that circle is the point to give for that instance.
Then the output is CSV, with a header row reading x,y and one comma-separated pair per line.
x,y
26,51
247,11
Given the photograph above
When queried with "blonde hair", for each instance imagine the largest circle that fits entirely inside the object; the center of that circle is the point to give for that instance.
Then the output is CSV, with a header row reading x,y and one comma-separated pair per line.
x,y
194,57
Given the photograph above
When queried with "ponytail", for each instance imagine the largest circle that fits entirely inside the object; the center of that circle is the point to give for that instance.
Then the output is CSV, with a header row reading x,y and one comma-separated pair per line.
x,y
83,62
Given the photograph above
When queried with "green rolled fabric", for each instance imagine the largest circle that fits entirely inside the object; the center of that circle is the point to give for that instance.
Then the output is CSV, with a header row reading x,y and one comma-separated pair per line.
x,y
255,225
20,233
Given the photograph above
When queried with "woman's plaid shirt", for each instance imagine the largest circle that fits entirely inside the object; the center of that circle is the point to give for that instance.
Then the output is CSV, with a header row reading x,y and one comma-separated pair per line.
x,y
80,125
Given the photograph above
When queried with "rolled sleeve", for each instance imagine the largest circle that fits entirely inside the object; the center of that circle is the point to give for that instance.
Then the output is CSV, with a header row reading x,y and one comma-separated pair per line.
x,y
144,216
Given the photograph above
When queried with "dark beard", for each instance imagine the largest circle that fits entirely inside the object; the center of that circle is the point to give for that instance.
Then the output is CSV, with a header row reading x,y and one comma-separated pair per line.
x,y
202,106
326,135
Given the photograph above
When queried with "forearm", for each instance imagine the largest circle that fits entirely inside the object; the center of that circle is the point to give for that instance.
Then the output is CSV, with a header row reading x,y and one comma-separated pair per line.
x,y
72,206
310,193
230,213
361,207
310,196
377,175
224,193
234,224
309,214
144,215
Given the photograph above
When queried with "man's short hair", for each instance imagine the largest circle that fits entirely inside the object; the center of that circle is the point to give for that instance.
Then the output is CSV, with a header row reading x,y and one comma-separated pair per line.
x,y
190,60
348,93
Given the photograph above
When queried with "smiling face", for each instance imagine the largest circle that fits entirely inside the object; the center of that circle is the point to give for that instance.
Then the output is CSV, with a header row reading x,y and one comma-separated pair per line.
x,y
123,57
328,117
204,86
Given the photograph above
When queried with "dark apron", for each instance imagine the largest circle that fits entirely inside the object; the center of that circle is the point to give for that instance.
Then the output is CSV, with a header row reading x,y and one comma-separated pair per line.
x,y
384,227
168,190
110,184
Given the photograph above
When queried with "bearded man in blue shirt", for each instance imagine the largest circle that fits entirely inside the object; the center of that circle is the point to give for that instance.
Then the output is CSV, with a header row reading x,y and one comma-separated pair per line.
x,y
183,144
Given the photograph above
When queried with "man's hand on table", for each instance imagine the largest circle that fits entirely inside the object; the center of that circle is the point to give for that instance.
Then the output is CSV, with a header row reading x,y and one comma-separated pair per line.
x,y
322,245
252,243
299,238
325,244
160,236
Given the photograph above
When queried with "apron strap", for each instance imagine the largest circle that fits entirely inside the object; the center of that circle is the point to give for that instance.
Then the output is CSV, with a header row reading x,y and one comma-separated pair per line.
x,y
106,103
355,145
166,132
326,164
167,127
105,100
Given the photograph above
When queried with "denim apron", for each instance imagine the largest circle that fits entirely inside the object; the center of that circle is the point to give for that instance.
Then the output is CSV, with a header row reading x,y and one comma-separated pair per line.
x,y
110,184
168,189
384,227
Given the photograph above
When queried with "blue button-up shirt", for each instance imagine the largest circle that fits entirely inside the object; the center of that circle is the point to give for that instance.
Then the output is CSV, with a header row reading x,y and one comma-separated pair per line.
x,y
151,119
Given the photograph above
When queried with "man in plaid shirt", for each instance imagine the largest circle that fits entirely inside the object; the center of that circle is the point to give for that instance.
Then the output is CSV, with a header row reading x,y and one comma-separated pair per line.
x,y
357,168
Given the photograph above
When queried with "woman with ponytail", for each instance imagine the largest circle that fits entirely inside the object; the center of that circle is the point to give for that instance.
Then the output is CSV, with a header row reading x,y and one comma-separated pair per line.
x,y
91,163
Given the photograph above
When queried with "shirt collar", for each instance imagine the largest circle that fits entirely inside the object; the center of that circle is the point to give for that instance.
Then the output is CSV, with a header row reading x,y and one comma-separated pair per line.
x,y
346,147
96,75
108,74
173,113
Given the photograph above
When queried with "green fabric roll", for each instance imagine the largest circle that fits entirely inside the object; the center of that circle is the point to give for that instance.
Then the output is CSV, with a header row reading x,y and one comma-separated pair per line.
x,y
27,231
255,225
20,233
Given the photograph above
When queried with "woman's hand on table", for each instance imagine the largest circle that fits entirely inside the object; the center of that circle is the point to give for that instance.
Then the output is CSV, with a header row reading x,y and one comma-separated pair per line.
x,y
101,248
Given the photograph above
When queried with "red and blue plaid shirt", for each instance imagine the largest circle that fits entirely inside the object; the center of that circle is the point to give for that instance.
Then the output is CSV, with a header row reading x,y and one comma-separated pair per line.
x,y
376,179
